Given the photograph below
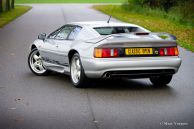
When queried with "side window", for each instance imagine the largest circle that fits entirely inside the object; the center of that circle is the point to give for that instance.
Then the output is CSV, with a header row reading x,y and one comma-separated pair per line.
x,y
63,34
53,34
132,29
119,30
105,30
74,33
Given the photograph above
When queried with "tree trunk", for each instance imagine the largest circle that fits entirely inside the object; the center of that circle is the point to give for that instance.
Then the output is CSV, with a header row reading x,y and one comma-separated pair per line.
x,y
12,4
7,5
1,5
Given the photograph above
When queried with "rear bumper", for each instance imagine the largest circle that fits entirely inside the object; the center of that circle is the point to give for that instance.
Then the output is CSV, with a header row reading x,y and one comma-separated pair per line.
x,y
97,68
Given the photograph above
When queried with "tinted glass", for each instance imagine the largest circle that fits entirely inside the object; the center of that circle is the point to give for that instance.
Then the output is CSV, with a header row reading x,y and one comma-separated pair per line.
x,y
114,30
104,30
63,34
74,33
52,35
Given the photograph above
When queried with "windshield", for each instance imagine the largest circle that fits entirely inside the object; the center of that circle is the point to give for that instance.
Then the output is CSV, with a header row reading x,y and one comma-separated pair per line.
x,y
115,30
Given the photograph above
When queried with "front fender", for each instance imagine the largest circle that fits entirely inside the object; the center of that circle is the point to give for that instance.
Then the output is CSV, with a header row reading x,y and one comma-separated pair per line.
x,y
36,44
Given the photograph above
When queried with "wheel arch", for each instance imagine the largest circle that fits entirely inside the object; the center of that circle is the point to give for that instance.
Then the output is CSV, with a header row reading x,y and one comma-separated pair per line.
x,y
71,53
33,46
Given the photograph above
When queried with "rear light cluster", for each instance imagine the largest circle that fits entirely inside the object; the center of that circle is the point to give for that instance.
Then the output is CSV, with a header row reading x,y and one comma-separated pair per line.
x,y
171,51
106,52
115,52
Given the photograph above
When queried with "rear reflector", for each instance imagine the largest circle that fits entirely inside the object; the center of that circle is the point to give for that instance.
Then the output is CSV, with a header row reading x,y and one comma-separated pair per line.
x,y
106,52
171,51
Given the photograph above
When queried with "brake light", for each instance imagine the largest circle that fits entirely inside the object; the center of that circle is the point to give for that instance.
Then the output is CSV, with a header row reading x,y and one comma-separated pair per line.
x,y
161,51
106,52
171,51
142,33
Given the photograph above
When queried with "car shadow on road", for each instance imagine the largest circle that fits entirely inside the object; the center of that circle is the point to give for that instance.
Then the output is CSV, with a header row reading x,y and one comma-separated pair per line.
x,y
133,88
114,84
123,84
110,84
137,89
122,89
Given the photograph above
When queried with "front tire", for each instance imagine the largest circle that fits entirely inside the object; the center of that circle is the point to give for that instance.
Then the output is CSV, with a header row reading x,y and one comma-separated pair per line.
x,y
161,80
35,63
78,77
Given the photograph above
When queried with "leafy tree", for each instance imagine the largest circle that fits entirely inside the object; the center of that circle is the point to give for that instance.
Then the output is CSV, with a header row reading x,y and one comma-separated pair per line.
x,y
168,4
184,9
163,4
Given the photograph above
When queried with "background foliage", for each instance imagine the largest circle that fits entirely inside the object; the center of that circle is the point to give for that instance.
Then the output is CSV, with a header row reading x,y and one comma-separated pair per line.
x,y
156,19
6,5
181,10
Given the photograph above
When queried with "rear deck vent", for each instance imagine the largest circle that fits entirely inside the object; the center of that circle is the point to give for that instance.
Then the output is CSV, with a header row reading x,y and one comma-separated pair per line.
x,y
142,33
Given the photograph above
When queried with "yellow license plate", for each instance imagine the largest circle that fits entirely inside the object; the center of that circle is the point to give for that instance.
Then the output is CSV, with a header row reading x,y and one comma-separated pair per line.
x,y
138,51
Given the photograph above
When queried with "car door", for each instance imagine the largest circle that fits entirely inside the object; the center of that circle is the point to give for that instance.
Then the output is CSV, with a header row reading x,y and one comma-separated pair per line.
x,y
64,41
48,48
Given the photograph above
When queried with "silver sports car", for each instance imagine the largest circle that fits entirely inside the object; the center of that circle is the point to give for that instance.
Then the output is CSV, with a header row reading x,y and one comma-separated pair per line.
x,y
87,50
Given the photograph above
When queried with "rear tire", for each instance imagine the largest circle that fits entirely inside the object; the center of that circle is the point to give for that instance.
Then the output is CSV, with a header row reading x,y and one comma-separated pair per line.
x,y
161,80
78,77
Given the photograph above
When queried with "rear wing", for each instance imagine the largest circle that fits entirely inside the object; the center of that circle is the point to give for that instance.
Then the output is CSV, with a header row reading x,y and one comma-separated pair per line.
x,y
155,35
162,35
165,35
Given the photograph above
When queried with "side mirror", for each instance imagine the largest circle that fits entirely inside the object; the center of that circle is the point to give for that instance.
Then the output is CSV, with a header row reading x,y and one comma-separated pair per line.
x,y
42,36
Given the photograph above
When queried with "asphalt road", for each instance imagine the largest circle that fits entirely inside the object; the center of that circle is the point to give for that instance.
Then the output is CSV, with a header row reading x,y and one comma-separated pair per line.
x,y
31,102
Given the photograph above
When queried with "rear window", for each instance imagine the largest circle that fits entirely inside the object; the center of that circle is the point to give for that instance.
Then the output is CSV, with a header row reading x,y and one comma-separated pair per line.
x,y
115,30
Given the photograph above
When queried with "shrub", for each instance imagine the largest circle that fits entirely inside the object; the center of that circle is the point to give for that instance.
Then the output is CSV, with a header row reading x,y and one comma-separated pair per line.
x,y
177,10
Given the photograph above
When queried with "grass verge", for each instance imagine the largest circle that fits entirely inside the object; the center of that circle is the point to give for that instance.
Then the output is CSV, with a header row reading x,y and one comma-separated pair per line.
x,y
70,1
156,23
9,16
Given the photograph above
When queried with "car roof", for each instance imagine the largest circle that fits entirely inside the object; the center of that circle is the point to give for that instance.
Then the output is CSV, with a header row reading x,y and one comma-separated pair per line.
x,y
94,24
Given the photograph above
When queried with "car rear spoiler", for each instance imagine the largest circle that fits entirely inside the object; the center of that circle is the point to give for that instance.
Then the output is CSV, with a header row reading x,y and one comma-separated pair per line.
x,y
162,35
165,35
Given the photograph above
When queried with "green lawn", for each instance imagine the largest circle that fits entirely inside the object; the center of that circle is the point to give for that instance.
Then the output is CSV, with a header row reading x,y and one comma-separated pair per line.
x,y
70,1
9,16
156,23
